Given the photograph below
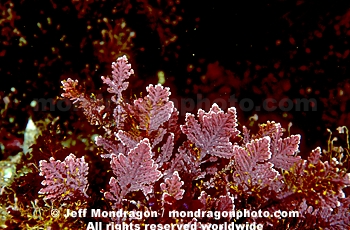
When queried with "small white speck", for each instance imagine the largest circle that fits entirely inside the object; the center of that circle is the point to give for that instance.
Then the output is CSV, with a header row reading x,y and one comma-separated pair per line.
x,y
33,104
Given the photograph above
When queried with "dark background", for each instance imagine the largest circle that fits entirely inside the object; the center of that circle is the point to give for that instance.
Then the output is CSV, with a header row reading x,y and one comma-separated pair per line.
x,y
252,49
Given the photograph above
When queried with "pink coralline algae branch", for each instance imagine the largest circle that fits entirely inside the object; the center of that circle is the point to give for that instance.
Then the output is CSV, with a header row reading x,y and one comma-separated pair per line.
x,y
65,180
210,166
